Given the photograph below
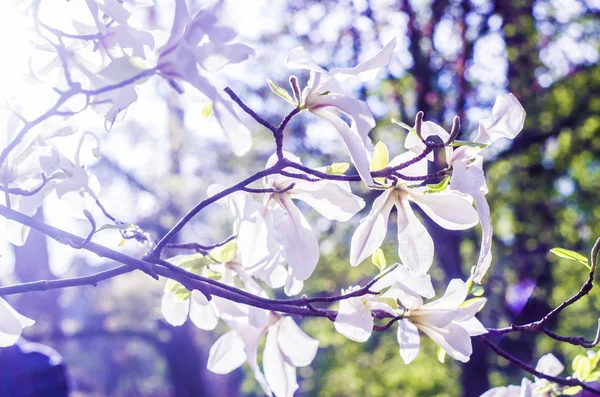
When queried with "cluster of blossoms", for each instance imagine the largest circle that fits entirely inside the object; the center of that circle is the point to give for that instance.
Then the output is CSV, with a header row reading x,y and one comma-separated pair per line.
x,y
275,244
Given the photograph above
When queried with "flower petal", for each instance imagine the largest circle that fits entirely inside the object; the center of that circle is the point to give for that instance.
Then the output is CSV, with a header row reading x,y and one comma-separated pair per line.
x,y
508,117
298,348
449,210
428,128
11,324
213,56
455,295
453,339
202,312
174,310
409,340
372,229
356,325
329,199
367,70
226,354
415,245
549,365
280,374
299,58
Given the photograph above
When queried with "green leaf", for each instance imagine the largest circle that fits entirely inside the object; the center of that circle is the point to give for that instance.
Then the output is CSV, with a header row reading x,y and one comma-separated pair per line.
x,y
280,91
405,126
472,301
213,275
225,253
441,355
181,293
378,259
469,144
439,187
192,263
571,391
381,158
207,110
593,377
572,255
477,290
337,168
582,366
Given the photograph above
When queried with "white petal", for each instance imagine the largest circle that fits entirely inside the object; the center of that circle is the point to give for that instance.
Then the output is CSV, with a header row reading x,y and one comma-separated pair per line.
x,y
298,348
419,284
11,324
175,311
415,245
214,56
293,286
299,58
453,339
508,391
467,176
428,128
549,365
417,169
254,234
455,295
372,230
356,325
358,146
368,69
330,200
409,340
507,120
474,327
280,374
485,253
226,354
408,298
235,132
355,109
299,243
447,209
202,312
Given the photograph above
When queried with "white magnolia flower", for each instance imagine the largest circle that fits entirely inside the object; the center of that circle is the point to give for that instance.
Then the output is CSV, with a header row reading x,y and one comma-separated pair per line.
x,y
415,245
324,96
203,40
11,324
547,364
507,121
277,229
287,347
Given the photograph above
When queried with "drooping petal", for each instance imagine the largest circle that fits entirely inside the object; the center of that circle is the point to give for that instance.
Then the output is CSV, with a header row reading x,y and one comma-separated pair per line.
x,y
372,230
293,286
298,348
358,147
226,354
174,310
299,58
453,297
485,253
474,327
355,109
409,340
549,365
356,325
254,235
508,117
202,313
453,339
449,210
214,56
11,324
415,245
329,199
300,245
367,70
280,374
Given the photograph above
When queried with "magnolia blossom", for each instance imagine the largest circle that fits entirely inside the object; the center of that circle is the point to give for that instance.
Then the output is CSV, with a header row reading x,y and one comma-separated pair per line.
x,y
507,121
415,245
204,40
449,321
547,364
324,96
11,324
287,347
277,229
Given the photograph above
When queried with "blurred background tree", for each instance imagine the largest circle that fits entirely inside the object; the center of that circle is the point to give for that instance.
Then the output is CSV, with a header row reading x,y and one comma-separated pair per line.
x,y
453,58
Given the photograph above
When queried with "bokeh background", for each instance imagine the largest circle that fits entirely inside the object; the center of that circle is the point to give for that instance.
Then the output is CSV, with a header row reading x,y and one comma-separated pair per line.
x,y
452,58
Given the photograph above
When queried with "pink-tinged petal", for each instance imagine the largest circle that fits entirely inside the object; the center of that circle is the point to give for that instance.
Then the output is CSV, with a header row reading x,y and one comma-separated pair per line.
x,y
372,229
298,348
329,199
549,365
367,70
447,209
202,312
453,339
299,58
358,146
214,56
226,354
508,117
174,310
408,340
455,295
354,323
415,245
280,374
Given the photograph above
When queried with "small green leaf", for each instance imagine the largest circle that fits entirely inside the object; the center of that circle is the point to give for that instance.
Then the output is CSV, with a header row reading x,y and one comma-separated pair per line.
x,y
213,275
225,253
441,355
337,168
477,290
469,144
180,292
280,91
571,391
207,110
582,366
192,263
572,255
439,187
593,377
381,158
405,126
378,259
474,301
